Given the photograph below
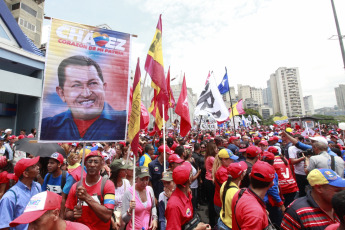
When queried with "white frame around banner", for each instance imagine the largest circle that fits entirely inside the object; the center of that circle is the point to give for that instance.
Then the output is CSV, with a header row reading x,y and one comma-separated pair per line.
x,y
44,82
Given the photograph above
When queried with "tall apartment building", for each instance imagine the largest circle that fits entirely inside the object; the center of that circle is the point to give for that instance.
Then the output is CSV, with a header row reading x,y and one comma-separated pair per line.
x,y
340,96
287,92
243,91
308,105
256,94
29,15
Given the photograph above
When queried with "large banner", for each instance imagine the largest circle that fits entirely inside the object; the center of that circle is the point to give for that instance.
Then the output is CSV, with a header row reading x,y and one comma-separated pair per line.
x,y
86,84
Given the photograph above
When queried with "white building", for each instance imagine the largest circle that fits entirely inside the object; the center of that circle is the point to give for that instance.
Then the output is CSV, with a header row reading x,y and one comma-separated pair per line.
x,y
308,105
256,94
340,96
29,15
287,92
243,92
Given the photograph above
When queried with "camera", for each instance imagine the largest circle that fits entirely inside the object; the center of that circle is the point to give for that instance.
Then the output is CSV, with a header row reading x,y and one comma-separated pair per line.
x,y
306,153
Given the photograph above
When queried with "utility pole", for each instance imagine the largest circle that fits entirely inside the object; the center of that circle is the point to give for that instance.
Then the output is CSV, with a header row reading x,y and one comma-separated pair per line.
x,y
340,37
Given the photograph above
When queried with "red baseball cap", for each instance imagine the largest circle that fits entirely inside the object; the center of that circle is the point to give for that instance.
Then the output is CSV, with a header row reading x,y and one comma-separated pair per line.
x,y
236,169
252,151
263,142
94,153
181,173
57,156
37,206
256,138
174,158
12,137
263,171
233,138
161,149
273,150
23,164
173,147
268,155
274,138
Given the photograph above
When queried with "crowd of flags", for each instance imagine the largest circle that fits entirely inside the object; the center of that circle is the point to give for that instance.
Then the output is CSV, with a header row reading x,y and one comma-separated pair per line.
x,y
210,102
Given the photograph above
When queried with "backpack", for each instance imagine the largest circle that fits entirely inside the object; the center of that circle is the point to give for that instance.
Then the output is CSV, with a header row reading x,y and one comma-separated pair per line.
x,y
63,178
104,181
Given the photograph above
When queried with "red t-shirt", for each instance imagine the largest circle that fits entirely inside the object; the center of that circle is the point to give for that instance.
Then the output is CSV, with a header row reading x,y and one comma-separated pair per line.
x,y
287,182
83,125
89,218
250,212
220,177
179,210
76,226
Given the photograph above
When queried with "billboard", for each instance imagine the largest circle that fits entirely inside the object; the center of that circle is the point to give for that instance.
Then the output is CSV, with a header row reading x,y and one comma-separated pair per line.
x,y
86,84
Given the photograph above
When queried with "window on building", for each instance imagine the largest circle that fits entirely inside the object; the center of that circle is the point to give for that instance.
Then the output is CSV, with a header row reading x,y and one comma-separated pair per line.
x,y
27,25
16,6
29,9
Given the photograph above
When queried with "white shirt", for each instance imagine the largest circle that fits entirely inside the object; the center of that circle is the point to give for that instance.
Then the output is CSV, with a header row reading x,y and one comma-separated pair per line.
x,y
120,191
299,167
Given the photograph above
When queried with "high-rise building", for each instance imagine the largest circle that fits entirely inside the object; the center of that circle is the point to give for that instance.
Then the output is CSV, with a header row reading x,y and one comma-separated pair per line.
x,y
269,94
29,15
308,105
256,94
287,92
243,92
340,96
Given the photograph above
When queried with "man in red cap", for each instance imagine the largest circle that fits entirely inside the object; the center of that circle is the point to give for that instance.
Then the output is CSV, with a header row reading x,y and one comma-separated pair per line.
x,y
42,213
248,207
15,199
234,145
96,205
252,156
179,209
174,161
55,179
156,168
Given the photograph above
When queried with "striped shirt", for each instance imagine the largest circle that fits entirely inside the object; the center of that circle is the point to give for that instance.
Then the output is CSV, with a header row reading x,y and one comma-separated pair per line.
x,y
304,213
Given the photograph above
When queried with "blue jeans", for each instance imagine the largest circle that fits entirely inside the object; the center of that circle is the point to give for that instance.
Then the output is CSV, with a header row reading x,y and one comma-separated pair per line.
x,y
221,225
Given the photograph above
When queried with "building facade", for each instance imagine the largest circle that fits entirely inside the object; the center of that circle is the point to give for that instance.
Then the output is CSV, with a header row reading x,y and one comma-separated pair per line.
x,y
21,76
340,96
287,92
308,105
29,16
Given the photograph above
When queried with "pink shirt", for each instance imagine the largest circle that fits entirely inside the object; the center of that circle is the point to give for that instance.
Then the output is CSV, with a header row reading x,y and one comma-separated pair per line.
x,y
142,213
208,166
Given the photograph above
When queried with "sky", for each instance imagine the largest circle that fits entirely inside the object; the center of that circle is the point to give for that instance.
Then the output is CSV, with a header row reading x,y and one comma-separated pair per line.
x,y
252,38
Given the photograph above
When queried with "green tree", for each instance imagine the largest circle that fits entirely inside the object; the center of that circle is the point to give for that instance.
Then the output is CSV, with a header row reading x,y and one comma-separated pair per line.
x,y
252,112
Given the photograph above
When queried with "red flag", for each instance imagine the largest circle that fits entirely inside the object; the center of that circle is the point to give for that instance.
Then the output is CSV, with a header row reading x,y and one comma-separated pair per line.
x,y
155,68
154,64
144,117
170,94
182,109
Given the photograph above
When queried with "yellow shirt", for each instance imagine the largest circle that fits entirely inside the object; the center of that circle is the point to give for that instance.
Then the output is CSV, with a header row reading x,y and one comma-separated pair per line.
x,y
227,220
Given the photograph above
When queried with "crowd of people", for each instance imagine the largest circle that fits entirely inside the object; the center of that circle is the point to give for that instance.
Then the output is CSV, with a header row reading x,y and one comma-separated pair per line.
x,y
258,178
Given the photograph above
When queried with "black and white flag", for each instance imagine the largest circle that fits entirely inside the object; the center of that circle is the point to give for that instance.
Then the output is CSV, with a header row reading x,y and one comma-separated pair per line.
x,y
211,102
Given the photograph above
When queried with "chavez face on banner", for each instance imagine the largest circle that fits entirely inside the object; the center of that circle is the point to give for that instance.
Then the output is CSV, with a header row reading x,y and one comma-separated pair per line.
x,y
86,84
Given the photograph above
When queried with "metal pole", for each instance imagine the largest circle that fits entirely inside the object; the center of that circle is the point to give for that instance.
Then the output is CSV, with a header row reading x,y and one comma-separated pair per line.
x,y
133,211
339,33
232,111
164,157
